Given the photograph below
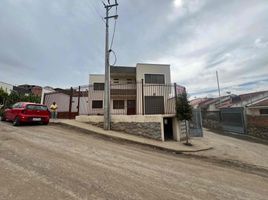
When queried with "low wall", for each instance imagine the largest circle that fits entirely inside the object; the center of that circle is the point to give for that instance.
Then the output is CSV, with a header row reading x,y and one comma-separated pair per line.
x,y
258,126
150,126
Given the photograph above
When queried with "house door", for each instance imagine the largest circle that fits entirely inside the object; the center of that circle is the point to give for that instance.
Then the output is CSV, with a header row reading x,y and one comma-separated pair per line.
x,y
131,107
168,129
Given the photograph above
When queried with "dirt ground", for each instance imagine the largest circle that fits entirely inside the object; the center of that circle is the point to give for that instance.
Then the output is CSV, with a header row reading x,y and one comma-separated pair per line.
x,y
238,150
52,162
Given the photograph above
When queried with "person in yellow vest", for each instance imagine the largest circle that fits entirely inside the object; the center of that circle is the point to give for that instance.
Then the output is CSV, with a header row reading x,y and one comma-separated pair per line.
x,y
54,108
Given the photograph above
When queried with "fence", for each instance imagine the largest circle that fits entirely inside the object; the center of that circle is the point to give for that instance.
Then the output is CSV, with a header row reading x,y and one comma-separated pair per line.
x,y
227,119
125,99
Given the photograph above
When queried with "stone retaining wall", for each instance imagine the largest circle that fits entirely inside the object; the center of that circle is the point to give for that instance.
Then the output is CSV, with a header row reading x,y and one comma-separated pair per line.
x,y
145,129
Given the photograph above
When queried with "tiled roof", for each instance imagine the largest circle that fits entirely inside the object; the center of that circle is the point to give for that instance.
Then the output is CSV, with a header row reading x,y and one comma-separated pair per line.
x,y
260,103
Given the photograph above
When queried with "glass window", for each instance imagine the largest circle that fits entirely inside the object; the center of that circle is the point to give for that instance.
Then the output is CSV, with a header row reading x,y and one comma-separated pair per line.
x,y
118,104
155,78
36,107
264,111
129,81
16,105
98,86
97,104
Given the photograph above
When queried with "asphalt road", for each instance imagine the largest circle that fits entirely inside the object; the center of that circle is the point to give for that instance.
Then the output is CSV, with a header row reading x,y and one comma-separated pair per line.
x,y
52,162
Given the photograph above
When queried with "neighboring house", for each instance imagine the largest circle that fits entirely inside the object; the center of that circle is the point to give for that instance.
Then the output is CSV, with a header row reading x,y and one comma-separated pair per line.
x,y
195,103
128,86
231,101
258,108
29,89
6,87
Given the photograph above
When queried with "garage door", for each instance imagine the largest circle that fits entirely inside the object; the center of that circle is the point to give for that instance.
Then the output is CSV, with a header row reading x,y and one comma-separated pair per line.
x,y
154,105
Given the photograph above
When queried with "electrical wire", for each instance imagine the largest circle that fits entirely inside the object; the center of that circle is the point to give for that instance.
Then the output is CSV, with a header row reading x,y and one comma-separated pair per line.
x,y
112,41
115,57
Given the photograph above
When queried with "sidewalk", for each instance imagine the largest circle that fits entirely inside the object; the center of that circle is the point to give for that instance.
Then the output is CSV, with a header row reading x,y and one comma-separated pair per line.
x,y
199,144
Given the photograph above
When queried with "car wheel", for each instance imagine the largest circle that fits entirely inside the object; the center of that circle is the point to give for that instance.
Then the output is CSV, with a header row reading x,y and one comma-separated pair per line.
x,y
3,118
16,122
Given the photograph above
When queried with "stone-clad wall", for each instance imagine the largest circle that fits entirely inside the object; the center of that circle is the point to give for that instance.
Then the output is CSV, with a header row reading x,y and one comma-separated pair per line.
x,y
258,126
145,129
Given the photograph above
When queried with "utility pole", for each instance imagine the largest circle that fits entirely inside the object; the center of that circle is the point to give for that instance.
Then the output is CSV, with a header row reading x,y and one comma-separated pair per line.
x,y
107,115
218,87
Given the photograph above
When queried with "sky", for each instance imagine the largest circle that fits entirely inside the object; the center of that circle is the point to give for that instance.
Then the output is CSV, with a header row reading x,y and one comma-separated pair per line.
x,y
59,43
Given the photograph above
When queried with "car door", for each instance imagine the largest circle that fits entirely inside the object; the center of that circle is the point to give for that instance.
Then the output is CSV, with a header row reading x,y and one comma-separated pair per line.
x,y
14,111
8,112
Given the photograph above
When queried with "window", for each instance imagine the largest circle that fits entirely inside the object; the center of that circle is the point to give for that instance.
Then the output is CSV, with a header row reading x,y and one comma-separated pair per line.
x,y
116,80
264,111
98,86
118,104
129,81
155,78
97,104
36,107
17,105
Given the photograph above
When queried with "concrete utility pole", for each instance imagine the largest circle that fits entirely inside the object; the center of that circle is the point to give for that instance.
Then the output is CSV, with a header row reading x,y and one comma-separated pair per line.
x,y
218,86
107,116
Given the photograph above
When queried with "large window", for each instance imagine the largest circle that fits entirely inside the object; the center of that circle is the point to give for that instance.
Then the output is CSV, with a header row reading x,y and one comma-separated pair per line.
x,y
97,104
155,78
98,86
118,104
264,111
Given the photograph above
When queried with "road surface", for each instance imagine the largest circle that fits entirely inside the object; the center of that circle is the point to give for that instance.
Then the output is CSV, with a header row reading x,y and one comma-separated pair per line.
x,y
52,162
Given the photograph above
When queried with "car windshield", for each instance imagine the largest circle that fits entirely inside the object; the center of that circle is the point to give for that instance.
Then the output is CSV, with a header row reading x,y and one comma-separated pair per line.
x,y
36,107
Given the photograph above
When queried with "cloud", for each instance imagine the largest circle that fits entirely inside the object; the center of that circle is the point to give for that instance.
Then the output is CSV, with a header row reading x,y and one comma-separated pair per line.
x,y
59,42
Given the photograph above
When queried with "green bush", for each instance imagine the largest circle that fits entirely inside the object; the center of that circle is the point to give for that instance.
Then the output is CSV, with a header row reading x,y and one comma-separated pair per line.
x,y
7,100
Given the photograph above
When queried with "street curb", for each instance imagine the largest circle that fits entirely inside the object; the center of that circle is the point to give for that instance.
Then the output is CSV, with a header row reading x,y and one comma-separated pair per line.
x,y
128,140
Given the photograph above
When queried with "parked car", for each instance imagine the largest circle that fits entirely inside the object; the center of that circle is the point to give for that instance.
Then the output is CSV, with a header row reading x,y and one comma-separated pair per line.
x,y
26,112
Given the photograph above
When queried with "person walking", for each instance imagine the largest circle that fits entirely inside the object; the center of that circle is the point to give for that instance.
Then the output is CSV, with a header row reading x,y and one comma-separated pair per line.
x,y
54,108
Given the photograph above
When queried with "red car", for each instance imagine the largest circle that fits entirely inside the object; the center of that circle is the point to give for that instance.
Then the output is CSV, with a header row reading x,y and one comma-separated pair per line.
x,y
26,112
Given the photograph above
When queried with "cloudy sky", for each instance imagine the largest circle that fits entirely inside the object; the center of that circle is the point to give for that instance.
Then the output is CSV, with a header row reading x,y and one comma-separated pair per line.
x,y
60,42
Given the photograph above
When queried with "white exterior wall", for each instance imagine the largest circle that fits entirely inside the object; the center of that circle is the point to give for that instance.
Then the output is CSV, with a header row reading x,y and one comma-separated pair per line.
x,y
62,100
6,87
45,91
95,94
141,70
253,111
96,78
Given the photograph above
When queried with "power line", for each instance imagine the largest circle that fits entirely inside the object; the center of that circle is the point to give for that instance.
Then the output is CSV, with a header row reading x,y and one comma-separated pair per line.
x,y
115,20
94,9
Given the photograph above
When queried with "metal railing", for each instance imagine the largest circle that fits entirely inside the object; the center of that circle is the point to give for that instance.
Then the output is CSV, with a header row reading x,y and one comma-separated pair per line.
x,y
126,99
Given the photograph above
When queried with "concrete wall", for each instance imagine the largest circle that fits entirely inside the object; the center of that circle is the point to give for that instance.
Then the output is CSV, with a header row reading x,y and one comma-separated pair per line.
x,y
62,100
150,126
96,78
165,91
142,69
45,91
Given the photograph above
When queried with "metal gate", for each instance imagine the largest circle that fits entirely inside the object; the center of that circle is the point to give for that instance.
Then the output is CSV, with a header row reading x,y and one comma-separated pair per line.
x,y
154,105
232,119
195,125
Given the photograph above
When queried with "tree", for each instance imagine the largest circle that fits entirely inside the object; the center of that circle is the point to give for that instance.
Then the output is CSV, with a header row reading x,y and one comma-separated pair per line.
x,y
184,111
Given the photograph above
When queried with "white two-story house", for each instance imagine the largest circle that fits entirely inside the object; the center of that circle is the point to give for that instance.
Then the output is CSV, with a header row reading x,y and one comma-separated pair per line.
x,y
144,89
